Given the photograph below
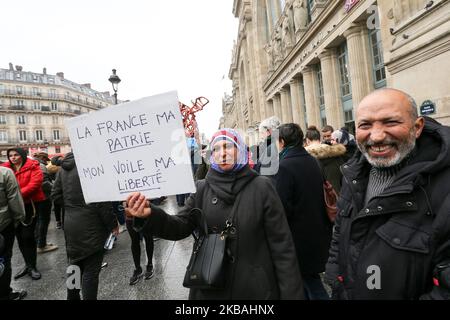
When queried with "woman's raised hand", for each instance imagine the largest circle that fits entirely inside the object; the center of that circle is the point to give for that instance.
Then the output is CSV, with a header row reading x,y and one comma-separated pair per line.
x,y
137,206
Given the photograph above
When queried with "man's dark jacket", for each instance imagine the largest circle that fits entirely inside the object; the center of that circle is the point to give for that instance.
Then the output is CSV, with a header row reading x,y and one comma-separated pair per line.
x,y
398,245
299,184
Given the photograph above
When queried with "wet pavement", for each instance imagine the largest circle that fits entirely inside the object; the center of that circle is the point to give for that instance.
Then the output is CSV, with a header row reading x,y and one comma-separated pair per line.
x,y
169,260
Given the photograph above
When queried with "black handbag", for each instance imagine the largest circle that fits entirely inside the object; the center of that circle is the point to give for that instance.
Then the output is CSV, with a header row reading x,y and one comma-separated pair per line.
x,y
207,266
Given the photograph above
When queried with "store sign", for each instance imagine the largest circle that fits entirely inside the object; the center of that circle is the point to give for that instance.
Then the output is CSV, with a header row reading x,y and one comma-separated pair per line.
x,y
427,107
349,4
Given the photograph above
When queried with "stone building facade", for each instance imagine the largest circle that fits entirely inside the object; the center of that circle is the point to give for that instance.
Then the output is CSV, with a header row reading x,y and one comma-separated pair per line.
x,y
312,61
33,107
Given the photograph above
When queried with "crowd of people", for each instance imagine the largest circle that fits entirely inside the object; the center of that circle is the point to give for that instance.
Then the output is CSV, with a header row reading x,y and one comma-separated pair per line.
x,y
390,238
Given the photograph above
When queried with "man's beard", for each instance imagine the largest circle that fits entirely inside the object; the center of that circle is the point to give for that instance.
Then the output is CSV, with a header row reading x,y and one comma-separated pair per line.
x,y
404,148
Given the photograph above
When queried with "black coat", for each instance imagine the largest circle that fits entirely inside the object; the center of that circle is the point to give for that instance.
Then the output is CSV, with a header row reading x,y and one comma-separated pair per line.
x,y
405,231
86,226
331,158
265,264
299,183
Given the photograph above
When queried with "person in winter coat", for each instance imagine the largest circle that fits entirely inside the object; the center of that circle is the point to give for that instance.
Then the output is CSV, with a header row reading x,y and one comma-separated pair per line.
x,y
267,153
29,176
46,206
331,157
299,184
86,228
260,252
12,213
58,210
392,232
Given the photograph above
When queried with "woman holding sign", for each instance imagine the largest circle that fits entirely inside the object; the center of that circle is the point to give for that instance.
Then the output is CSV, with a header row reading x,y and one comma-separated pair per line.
x,y
260,259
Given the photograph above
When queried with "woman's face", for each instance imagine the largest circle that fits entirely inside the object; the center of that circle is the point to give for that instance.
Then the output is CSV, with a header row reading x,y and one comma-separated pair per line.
x,y
225,154
15,158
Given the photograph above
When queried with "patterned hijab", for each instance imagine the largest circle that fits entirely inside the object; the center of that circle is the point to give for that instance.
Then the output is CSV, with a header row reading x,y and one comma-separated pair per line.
x,y
232,136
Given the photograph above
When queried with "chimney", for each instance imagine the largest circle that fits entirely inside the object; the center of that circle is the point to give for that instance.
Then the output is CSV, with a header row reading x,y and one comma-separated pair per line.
x,y
87,85
11,68
60,74
18,68
44,71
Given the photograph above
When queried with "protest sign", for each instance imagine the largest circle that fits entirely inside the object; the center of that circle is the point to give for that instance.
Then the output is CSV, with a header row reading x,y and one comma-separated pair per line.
x,y
136,146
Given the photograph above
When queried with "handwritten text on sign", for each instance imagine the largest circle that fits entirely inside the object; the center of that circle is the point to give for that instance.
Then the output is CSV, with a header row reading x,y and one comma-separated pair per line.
x,y
137,146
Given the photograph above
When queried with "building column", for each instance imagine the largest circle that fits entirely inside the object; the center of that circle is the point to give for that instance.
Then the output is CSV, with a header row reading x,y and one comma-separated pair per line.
x,y
286,109
277,106
298,115
359,66
312,105
269,108
332,96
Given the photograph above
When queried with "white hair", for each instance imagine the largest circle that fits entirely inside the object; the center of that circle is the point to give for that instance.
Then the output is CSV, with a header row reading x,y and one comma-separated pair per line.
x,y
269,124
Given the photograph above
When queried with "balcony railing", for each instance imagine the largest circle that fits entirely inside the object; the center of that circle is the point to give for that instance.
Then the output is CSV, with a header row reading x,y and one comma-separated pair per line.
x,y
50,96
17,107
33,141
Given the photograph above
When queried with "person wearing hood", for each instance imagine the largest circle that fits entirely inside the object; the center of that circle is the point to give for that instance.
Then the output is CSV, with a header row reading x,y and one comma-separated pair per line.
x,y
86,228
299,184
260,253
392,233
330,157
29,176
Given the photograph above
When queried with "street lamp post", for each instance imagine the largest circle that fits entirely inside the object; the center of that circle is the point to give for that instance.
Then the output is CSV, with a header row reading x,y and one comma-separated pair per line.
x,y
115,80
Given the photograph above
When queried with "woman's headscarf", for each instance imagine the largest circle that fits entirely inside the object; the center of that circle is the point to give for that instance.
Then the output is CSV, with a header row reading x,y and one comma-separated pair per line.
x,y
232,136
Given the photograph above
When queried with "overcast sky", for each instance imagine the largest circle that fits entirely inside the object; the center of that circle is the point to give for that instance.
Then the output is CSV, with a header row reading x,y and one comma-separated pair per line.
x,y
155,45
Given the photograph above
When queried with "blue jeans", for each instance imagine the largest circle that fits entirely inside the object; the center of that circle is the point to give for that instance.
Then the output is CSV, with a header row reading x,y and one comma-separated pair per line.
x,y
314,289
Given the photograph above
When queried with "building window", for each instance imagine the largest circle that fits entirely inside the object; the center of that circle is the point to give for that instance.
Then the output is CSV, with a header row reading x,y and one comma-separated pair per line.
x,y
304,103
320,94
57,149
37,120
56,135
22,135
21,119
3,136
379,71
344,72
2,119
67,95
37,105
52,93
36,92
18,76
19,89
310,5
55,119
54,106
39,135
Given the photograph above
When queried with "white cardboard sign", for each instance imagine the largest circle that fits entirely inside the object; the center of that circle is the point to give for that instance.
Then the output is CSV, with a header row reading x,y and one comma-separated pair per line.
x,y
136,146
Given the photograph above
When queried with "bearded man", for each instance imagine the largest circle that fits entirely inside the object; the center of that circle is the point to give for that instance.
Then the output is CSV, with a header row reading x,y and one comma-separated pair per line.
x,y
392,233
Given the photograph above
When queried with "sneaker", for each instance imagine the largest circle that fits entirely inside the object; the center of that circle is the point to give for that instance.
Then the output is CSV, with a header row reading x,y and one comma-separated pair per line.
x,y
34,274
48,247
58,225
156,238
17,295
122,228
137,275
104,265
21,273
149,273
